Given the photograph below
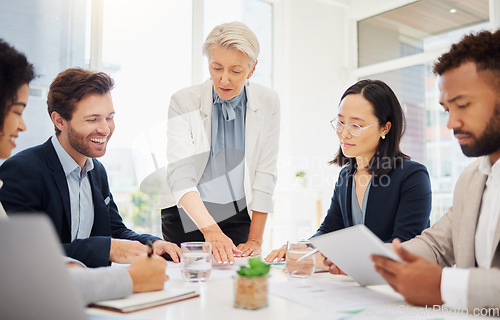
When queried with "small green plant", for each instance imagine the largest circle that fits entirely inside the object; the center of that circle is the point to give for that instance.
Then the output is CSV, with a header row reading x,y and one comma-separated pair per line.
x,y
257,268
300,174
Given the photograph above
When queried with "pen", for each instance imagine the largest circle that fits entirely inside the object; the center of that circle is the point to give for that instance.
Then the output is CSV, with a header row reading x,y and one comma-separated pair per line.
x,y
307,255
150,245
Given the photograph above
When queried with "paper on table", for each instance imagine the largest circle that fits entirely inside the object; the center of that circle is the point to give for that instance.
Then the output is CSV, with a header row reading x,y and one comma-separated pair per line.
x,y
320,294
393,312
140,301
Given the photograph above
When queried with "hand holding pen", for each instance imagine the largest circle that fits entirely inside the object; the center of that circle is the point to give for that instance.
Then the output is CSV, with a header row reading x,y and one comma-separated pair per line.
x,y
148,273
307,255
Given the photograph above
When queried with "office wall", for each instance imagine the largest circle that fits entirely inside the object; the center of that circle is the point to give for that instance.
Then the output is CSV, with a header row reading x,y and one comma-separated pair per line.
x,y
314,77
309,76
52,34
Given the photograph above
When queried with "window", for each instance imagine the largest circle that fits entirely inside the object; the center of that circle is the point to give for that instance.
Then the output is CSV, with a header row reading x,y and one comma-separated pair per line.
x,y
53,35
151,59
147,50
415,28
258,16
411,37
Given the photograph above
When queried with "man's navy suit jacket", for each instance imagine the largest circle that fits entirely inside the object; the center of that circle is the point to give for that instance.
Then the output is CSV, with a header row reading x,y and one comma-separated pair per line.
x,y
34,181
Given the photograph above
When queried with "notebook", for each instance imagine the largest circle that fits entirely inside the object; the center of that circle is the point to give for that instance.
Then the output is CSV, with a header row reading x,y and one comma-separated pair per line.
x,y
140,301
34,281
350,250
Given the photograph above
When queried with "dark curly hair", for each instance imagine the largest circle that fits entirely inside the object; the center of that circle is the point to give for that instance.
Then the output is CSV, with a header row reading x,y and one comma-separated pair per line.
x,y
386,108
71,86
15,70
482,48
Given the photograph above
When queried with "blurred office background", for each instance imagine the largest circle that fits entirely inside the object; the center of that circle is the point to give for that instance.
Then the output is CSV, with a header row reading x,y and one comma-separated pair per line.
x,y
311,51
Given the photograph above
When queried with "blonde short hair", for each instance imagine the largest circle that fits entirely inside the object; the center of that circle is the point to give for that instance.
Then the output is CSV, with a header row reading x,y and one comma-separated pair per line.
x,y
235,35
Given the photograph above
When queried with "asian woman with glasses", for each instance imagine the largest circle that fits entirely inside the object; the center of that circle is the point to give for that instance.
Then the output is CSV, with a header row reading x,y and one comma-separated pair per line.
x,y
378,186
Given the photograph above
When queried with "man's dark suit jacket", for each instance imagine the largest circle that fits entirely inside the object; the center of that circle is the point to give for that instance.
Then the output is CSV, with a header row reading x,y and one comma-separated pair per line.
x,y
398,205
34,181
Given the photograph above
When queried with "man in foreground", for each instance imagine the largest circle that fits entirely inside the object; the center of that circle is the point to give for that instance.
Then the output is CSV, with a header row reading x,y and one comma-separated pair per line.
x,y
468,234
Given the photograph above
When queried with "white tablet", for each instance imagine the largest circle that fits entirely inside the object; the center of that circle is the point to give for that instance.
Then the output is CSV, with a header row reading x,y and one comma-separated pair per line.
x,y
350,250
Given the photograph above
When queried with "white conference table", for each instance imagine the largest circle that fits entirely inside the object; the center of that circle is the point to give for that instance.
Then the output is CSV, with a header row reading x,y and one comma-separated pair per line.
x,y
215,300
217,294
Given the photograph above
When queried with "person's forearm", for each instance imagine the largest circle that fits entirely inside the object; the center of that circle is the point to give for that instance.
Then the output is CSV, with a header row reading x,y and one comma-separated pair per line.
x,y
101,283
93,251
195,208
257,226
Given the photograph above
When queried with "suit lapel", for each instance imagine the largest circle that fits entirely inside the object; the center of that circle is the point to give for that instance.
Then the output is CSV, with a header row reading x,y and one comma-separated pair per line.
x,y
59,177
496,240
495,261
253,123
471,208
101,216
206,107
348,200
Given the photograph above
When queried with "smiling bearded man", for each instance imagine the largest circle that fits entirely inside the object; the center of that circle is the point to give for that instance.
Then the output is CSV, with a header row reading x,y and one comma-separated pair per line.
x,y
62,179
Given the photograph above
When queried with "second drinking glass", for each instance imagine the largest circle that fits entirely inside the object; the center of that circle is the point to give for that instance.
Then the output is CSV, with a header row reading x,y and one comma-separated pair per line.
x,y
196,260
295,250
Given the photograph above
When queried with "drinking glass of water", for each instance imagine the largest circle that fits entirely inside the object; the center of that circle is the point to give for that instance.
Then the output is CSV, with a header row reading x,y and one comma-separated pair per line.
x,y
196,260
294,251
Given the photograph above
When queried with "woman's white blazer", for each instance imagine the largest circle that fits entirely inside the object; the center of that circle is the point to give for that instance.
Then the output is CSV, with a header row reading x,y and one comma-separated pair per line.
x,y
189,137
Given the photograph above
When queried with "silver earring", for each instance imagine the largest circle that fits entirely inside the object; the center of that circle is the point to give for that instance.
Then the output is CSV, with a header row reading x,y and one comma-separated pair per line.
x,y
383,137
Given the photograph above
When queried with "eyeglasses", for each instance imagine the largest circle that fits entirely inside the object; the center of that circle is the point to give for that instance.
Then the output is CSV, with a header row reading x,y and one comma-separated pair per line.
x,y
354,129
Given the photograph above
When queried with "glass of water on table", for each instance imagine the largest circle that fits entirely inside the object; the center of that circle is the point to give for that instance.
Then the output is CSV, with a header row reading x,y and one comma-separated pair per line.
x,y
299,265
196,261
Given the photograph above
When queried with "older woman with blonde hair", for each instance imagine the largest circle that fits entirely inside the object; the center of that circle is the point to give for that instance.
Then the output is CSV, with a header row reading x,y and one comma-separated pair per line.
x,y
222,147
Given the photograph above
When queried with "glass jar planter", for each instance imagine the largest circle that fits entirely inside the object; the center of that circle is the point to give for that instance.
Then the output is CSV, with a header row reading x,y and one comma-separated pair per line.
x,y
250,292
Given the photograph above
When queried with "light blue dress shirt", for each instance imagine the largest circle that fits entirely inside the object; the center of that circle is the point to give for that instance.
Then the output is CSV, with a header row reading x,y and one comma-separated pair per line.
x,y
358,214
80,193
222,180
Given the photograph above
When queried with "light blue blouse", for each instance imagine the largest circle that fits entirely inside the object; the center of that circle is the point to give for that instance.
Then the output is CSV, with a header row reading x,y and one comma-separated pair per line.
x,y
222,180
358,214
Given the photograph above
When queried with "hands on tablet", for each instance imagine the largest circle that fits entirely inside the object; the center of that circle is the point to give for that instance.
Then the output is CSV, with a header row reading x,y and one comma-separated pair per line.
x,y
416,278
332,268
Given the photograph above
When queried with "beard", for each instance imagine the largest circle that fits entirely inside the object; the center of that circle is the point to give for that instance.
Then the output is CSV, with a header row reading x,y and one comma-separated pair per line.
x,y
488,142
82,144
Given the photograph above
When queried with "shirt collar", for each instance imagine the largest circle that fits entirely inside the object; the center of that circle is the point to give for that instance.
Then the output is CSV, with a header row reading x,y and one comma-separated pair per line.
x,y
485,165
492,171
235,102
69,164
